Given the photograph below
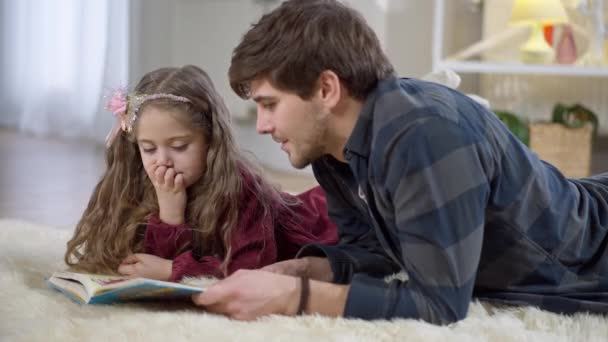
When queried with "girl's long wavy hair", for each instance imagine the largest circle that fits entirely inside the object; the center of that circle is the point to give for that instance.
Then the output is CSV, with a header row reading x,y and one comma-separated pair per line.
x,y
113,224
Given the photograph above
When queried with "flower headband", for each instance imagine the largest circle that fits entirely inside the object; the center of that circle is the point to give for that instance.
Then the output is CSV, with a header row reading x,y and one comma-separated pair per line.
x,y
125,107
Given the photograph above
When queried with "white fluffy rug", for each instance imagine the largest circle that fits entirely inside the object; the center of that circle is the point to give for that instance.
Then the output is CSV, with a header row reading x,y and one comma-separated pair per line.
x,y
30,311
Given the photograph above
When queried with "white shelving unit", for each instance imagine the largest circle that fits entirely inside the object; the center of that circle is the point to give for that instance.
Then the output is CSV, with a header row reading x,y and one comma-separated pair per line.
x,y
522,69
485,67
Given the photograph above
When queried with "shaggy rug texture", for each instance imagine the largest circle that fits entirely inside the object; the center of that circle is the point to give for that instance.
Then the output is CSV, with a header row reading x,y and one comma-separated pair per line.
x,y
31,311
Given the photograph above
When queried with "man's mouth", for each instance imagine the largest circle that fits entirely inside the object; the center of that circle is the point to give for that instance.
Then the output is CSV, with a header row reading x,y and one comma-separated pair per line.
x,y
282,142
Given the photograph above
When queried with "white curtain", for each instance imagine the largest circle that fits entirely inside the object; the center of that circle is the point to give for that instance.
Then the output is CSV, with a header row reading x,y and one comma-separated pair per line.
x,y
59,59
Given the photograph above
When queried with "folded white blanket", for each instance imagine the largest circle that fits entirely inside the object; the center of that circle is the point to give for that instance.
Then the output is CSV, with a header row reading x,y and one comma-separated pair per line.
x,y
450,78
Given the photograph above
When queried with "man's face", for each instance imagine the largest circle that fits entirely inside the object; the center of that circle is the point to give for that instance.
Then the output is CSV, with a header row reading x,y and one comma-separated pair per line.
x,y
300,126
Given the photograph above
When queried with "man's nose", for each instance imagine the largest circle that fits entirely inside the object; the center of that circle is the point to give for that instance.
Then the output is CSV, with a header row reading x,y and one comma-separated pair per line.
x,y
263,124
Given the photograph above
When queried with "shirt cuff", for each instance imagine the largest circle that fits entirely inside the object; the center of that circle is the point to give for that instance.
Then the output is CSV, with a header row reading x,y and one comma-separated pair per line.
x,y
373,298
341,264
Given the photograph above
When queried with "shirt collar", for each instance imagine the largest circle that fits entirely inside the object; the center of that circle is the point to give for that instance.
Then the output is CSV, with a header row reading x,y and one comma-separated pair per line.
x,y
360,140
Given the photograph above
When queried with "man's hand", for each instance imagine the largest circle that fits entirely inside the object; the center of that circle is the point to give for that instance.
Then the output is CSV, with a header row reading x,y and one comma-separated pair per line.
x,y
249,294
147,266
292,267
171,195
311,267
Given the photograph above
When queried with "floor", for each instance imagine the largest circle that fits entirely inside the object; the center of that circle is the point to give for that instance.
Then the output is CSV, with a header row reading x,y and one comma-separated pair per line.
x,y
49,181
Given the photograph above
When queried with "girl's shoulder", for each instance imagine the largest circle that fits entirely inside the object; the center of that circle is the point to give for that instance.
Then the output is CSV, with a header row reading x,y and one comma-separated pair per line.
x,y
256,188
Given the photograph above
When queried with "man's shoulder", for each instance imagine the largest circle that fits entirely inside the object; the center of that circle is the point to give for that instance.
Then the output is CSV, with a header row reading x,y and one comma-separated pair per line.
x,y
405,105
408,101
422,122
410,87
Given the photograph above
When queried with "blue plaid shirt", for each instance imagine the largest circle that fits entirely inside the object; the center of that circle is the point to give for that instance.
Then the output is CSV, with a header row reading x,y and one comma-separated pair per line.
x,y
437,186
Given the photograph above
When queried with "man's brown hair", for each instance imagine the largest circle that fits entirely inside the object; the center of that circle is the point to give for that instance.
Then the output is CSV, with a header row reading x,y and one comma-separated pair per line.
x,y
297,41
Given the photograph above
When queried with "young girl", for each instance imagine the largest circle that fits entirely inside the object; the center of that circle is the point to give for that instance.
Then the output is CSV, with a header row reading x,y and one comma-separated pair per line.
x,y
179,199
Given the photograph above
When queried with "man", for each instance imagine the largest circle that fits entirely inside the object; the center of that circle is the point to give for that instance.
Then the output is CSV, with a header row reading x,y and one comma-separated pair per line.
x,y
419,178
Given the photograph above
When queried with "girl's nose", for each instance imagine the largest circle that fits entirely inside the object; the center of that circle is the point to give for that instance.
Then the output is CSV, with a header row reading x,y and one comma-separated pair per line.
x,y
164,159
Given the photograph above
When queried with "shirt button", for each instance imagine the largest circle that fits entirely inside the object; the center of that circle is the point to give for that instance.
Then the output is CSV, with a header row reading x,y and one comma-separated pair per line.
x,y
362,194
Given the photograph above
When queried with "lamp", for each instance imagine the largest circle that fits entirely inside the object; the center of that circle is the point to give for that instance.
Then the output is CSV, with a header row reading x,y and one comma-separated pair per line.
x,y
537,13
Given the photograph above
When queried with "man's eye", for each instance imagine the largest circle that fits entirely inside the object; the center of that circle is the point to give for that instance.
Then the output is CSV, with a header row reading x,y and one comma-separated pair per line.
x,y
269,106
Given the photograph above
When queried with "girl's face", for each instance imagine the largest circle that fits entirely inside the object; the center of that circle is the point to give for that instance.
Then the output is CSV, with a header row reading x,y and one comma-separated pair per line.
x,y
164,140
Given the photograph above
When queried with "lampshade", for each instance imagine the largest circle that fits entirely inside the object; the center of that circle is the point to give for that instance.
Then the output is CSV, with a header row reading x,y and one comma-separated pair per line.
x,y
538,11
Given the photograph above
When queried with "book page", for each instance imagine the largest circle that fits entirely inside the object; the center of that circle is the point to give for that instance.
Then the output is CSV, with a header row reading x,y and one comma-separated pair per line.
x,y
71,288
94,283
105,289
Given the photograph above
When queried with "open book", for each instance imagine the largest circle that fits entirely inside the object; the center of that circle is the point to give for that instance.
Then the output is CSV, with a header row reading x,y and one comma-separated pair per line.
x,y
104,289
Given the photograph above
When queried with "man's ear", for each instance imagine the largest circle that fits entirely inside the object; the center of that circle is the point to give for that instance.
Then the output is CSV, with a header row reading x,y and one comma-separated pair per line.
x,y
329,90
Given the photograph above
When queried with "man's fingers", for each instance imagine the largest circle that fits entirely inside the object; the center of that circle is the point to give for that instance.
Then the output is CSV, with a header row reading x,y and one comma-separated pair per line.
x,y
207,298
231,309
213,295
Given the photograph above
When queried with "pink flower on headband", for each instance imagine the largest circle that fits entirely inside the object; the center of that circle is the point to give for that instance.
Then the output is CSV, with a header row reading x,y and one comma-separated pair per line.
x,y
118,106
118,102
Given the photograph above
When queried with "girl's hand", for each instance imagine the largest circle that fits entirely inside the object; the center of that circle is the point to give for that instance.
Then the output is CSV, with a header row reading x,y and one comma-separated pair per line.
x,y
146,266
171,195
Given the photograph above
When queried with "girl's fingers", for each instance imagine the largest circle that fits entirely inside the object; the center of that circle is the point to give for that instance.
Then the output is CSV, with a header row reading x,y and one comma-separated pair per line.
x,y
179,181
159,175
130,259
169,180
127,269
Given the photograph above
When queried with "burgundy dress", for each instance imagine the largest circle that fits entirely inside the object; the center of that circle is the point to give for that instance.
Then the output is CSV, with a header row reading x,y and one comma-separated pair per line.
x,y
255,243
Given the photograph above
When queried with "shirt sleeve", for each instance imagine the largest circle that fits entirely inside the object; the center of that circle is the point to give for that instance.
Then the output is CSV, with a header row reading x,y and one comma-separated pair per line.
x,y
165,240
439,218
358,249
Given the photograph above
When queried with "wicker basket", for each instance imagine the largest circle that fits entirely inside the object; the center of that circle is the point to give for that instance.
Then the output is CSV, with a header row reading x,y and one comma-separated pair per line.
x,y
568,149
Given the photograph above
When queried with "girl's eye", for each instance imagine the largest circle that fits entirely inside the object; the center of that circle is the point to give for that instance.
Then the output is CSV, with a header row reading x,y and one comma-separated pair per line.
x,y
180,148
149,149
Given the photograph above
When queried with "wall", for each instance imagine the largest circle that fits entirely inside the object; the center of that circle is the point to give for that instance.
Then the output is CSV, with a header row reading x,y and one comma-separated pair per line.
x,y
9,116
204,32
151,36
